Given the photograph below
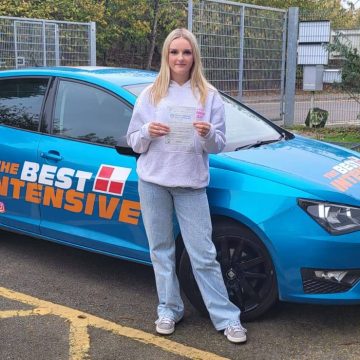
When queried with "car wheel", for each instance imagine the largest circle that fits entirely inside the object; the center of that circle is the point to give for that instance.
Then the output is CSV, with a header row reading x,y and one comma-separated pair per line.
x,y
246,266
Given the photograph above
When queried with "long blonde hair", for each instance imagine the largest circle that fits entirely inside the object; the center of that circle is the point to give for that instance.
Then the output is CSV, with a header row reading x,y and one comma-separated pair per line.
x,y
197,79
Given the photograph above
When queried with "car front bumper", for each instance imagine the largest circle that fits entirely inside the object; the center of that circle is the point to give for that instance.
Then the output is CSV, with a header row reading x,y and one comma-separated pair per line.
x,y
301,247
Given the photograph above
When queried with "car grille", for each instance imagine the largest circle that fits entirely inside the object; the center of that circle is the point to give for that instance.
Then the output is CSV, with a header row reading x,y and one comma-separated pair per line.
x,y
314,286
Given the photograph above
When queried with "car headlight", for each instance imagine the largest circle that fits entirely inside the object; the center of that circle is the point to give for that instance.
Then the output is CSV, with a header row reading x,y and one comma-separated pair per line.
x,y
335,218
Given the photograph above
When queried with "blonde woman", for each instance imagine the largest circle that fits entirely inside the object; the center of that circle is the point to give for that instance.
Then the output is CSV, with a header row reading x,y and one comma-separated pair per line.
x,y
176,123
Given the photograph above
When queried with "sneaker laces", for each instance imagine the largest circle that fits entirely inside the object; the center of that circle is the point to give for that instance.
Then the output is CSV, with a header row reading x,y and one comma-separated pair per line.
x,y
237,327
164,320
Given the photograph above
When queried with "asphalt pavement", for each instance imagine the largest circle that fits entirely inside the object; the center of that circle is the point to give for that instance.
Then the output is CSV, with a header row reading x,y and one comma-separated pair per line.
x,y
61,303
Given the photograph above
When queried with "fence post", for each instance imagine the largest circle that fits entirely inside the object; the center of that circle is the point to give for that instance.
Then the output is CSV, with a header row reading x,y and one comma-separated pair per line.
x,y
241,55
15,45
190,14
57,46
44,43
291,54
92,34
283,67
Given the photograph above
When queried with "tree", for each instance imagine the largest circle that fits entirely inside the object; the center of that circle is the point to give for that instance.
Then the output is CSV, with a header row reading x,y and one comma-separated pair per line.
x,y
170,15
130,32
67,10
153,34
316,10
350,71
135,29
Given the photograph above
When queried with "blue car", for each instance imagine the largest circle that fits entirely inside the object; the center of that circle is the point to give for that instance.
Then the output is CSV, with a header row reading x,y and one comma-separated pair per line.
x,y
285,209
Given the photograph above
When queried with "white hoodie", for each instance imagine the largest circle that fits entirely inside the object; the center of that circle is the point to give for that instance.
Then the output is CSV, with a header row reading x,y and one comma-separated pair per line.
x,y
176,165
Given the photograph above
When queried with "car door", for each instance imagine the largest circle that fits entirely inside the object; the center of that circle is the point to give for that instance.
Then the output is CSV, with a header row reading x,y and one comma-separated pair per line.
x,y
21,103
90,190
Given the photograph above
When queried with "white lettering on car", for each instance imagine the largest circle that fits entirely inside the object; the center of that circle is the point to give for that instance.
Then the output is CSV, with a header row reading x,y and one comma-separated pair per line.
x,y
53,176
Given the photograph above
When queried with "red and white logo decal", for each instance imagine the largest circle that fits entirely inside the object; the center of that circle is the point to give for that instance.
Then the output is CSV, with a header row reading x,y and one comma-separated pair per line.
x,y
2,207
111,179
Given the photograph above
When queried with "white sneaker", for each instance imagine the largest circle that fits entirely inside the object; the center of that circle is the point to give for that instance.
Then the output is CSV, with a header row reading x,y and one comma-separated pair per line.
x,y
165,325
235,333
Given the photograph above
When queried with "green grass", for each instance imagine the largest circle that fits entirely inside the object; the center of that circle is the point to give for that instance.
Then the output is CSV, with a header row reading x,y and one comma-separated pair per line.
x,y
350,134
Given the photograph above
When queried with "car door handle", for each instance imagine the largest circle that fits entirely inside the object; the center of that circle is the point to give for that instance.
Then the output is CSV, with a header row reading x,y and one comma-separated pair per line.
x,y
51,155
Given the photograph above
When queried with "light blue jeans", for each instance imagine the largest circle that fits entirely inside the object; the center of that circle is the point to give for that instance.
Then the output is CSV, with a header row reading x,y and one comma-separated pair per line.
x,y
192,211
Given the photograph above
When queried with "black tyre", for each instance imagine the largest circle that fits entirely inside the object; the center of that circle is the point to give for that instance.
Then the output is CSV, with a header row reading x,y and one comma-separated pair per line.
x,y
246,266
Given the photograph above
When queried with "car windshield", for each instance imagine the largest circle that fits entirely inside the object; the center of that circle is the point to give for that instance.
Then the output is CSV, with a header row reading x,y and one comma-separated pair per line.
x,y
244,128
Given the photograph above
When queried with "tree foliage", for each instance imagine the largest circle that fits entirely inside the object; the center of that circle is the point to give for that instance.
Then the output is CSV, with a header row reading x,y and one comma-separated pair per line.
x,y
315,10
127,31
67,10
350,73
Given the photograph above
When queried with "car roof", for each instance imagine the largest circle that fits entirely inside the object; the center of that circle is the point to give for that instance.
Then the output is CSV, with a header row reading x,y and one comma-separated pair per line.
x,y
115,76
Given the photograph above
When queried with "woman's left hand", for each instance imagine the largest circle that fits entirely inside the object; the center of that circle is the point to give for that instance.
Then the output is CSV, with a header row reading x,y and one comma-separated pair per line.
x,y
202,127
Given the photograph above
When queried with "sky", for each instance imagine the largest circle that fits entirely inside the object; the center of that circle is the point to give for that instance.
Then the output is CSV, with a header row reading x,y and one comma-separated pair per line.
x,y
355,2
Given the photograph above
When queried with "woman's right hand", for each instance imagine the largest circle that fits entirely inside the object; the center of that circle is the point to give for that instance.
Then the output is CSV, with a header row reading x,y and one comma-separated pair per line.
x,y
157,129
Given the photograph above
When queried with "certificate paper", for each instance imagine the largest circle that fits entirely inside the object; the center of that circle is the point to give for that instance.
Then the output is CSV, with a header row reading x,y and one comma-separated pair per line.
x,y
181,126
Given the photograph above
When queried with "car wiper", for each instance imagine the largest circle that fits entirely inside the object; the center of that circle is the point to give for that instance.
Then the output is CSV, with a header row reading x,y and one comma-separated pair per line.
x,y
261,142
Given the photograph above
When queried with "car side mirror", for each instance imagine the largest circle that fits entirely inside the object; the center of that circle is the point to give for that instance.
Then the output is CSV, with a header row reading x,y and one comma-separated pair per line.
x,y
125,150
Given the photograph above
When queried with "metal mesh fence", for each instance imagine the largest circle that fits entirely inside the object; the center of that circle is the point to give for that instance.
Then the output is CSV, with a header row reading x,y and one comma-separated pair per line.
x,y
243,51
31,42
341,110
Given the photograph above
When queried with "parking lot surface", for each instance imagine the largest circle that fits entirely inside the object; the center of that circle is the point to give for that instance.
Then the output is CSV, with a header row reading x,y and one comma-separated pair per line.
x,y
62,303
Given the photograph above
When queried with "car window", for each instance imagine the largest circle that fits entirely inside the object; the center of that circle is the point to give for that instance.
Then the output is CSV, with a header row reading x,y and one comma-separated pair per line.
x,y
244,127
136,89
87,113
21,101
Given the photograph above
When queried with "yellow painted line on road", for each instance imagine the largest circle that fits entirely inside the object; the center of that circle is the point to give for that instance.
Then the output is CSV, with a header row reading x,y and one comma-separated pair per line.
x,y
18,313
79,339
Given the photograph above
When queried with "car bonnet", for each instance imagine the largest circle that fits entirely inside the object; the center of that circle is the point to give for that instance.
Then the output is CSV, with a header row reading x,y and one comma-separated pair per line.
x,y
314,166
